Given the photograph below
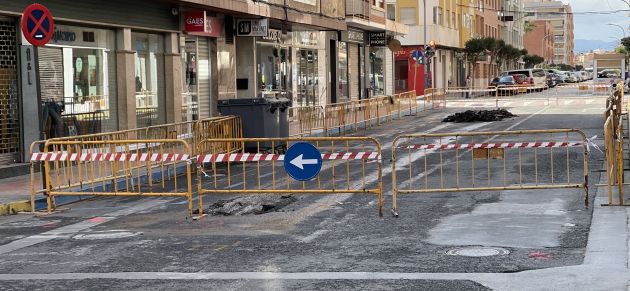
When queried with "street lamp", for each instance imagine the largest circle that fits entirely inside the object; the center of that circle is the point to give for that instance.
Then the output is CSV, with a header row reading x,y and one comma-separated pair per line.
x,y
620,27
627,2
542,48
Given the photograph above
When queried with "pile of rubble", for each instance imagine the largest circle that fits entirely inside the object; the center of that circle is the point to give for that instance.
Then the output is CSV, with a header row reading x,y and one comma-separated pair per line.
x,y
479,115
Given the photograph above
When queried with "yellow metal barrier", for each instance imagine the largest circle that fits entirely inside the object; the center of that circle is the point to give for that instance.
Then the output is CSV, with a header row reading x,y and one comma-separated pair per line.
x,y
614,145
350,165
115,168
489,161
306,120
436,96
36,167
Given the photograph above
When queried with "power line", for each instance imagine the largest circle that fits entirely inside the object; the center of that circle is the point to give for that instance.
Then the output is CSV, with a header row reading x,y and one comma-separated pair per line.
x,y
550,12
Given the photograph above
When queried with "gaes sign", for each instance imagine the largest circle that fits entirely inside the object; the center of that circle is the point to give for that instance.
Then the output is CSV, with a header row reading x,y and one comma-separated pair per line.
x,y
37,24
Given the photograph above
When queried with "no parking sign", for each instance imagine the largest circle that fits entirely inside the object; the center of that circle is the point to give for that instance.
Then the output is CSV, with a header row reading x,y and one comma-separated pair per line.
x,y
37,24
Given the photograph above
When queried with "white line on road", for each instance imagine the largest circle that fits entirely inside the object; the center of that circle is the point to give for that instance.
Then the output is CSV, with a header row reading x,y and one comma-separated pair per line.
x,y
69,230
527,103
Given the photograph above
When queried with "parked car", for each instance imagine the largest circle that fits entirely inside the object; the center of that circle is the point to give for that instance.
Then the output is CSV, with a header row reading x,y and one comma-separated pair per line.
x,y
569,78
551,80
505,84
521,79
558,79
584,75
539,76
578,76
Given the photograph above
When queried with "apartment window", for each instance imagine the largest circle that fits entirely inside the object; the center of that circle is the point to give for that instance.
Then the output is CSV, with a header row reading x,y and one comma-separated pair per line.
x,y
379,3
391,12
408,15
454,20
435,15
448,18
440,16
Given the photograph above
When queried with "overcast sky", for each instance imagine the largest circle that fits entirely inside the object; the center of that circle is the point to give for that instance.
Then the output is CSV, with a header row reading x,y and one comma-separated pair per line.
x,y
594,26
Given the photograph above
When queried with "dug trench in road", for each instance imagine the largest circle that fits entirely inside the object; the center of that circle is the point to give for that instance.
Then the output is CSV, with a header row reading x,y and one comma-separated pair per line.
x,y
319,234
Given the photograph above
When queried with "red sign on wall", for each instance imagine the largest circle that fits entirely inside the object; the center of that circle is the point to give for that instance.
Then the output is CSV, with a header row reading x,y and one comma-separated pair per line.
x,y
197,23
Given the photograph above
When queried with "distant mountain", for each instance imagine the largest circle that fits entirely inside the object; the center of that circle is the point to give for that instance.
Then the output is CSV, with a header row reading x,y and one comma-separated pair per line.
x,y
585,45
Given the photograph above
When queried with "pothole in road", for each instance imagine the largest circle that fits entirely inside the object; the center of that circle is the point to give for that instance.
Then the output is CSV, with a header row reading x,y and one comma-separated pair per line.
x,y
250,205
112,234
477,251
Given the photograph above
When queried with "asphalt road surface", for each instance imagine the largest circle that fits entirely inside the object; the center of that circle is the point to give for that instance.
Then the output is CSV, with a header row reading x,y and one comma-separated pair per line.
x,y
510,239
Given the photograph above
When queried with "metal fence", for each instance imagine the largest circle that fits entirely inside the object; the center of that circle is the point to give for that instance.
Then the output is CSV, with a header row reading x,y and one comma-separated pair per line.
x,y
115,168
347,163
489,161
614,144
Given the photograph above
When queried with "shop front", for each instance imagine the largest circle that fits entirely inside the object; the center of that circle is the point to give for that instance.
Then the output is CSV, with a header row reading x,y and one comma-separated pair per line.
x,y
356,43
409,75
9,109
376,69
77,75
308,64
198,56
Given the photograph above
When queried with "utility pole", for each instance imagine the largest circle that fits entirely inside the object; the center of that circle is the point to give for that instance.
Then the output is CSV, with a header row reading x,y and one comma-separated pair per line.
x,y
427,64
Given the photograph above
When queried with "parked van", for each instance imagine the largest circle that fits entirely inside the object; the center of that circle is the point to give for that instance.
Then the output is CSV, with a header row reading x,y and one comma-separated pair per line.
x,y
539,76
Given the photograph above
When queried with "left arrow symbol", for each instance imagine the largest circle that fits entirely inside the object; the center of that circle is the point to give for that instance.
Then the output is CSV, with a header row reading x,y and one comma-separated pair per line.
x,y
299,161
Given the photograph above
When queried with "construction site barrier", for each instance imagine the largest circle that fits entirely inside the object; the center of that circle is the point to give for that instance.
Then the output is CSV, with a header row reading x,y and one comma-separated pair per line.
x,y
565,90
349,165
116,168
614,145
306,120
436,96
190,132
486,161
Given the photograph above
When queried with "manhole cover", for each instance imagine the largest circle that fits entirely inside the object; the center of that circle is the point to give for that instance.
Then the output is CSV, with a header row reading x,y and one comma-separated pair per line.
x,y
478,252
105,235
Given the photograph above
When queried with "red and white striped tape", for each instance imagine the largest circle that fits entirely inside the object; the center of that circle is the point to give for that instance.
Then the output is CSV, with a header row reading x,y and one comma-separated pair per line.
x,y
504,145
108,157
248,157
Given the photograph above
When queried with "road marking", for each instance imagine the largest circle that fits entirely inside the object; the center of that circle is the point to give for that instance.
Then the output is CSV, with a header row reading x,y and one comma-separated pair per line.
x,y
567,102
589,101
70,230
527,103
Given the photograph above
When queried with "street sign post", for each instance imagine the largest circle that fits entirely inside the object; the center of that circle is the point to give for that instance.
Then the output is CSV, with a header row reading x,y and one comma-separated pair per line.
x,y
37,24
303,161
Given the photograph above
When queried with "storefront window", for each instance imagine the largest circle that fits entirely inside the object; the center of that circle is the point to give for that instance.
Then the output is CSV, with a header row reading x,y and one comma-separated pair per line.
x,y
150,95
377,80
272,70
78,81
362,72
343,71
308,80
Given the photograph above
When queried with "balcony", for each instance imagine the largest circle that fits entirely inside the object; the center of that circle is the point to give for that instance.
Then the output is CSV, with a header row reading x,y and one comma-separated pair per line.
x,y
358,8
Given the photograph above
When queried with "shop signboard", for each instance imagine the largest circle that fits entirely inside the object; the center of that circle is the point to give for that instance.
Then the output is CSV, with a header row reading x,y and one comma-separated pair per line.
x,y
378,38
353,36
252,27
198,23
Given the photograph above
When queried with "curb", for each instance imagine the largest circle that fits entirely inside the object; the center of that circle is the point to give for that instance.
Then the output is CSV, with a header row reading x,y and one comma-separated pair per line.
x,y
14,207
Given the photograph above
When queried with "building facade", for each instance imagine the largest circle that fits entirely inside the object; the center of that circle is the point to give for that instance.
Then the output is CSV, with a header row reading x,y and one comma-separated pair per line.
x,y
561,17
540,41
442,26
120,69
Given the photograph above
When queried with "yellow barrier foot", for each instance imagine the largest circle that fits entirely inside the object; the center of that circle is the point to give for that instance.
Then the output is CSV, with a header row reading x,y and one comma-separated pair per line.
x,y
14,207
199,216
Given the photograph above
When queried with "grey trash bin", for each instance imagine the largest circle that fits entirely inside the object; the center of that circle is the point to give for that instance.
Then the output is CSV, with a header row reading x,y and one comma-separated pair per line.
x,y
283,117
261,119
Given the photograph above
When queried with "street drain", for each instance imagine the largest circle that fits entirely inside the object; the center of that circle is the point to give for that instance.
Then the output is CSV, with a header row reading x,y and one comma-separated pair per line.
x,y
478,252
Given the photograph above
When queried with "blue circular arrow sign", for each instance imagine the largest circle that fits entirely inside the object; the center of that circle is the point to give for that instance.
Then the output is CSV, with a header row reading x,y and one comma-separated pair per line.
x,y
303,161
